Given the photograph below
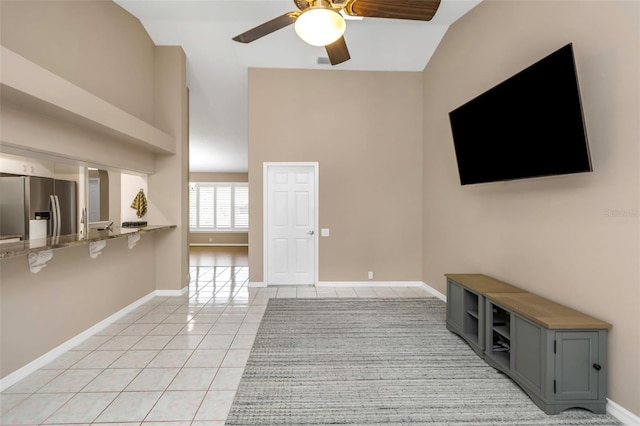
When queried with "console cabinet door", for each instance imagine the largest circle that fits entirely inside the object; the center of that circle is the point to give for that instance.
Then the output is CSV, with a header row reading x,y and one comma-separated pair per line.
x,y
455,305
528,353
577,365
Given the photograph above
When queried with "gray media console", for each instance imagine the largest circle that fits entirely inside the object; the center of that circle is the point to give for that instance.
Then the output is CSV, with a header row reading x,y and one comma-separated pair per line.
x,y
556,354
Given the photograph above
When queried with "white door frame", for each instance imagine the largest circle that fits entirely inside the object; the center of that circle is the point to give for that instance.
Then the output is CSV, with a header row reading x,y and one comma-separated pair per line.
x,y
265,215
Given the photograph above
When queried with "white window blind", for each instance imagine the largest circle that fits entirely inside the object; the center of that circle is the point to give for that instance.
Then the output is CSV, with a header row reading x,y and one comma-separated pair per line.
x,y
218,206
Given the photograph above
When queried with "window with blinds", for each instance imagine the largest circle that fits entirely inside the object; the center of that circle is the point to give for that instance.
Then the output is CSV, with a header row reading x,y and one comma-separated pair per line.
x,y
218,206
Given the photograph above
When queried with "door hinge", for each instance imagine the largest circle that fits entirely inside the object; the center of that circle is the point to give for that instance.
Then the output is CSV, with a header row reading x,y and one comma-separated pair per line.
x,y
554,346
554,386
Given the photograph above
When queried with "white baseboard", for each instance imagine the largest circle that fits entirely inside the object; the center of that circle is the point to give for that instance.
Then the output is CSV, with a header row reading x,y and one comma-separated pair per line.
x,y
622,414
427,287
216,245
369,284
361,284
435,292
40,362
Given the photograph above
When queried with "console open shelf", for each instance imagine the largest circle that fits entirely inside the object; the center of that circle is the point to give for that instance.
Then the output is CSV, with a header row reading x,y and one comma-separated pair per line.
x,y
466,305
498,345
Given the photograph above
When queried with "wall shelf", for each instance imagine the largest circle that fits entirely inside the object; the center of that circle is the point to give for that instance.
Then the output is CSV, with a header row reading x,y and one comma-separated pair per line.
x,y
29,86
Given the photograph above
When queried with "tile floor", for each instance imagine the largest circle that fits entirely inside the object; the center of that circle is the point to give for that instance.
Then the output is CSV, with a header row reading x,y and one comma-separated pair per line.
x,y
174,361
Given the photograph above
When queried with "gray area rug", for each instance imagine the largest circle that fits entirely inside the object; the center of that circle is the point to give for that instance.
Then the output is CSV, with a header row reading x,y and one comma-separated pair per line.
x,y
376,361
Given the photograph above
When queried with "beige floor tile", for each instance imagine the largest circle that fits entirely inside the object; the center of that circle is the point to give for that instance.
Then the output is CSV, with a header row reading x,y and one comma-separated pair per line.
x,y
152,379
176,405
152,342
10,401
215,406
99,359
227,379
169,358
243,341
217,341
82,408
112,380
135,359
129,406
206,358
70,381
33,381
193,379
35,409
185,341
236,358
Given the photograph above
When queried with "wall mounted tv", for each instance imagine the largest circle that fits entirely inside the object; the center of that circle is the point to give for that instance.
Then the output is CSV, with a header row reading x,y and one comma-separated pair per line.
x,y
529,125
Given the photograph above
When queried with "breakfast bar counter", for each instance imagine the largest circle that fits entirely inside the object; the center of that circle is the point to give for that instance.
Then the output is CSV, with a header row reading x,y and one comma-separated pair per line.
x,y
26,247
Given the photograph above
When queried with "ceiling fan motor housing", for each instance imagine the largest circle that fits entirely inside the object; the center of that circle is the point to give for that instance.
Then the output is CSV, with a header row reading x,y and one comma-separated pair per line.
x,y
320,25
334,24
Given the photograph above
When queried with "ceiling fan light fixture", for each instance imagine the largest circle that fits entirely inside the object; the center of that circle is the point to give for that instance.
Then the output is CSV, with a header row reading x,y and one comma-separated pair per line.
x,y
320,26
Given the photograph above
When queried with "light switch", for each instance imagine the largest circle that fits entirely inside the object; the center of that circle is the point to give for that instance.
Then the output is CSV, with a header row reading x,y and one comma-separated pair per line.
x,y
324,232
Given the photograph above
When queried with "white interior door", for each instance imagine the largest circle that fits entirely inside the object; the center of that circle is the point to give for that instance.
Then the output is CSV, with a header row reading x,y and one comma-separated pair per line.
x,y
290,223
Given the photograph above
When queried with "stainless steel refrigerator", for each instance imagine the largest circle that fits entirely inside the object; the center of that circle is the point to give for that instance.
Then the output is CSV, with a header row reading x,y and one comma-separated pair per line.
x,y
27,198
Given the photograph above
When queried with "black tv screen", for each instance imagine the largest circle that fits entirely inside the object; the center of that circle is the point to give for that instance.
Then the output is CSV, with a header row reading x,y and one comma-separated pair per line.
x,y
529,125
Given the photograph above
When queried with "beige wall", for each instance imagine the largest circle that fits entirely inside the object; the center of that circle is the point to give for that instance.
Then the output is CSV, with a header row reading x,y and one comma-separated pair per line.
x,y
218,177
169,186
555,236
98,47
95,45
38,133
39,312
364,129
110,57
218,238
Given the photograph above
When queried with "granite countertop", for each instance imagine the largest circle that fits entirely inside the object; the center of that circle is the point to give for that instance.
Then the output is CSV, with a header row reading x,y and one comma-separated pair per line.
x,y
32,246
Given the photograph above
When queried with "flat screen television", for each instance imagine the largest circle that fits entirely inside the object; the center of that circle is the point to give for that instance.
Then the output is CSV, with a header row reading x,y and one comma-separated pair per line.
x,y
529,125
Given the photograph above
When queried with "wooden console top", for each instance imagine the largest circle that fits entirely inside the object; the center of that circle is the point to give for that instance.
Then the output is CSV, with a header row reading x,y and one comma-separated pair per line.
x,y
546,313
483,284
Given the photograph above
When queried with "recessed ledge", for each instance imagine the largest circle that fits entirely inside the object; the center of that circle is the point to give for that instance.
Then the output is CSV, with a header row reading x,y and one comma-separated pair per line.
x,y
26,247
32,87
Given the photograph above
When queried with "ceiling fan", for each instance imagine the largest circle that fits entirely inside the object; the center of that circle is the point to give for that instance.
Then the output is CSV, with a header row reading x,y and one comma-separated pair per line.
x,y
321,22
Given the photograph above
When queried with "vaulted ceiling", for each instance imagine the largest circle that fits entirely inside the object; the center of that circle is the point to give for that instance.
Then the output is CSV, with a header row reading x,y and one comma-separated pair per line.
x,y
217,66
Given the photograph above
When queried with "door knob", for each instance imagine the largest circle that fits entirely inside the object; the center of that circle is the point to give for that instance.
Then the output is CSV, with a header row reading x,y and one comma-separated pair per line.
x,y
311,232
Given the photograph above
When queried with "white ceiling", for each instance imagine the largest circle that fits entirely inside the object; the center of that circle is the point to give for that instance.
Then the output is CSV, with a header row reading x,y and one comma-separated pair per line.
x,y
217,66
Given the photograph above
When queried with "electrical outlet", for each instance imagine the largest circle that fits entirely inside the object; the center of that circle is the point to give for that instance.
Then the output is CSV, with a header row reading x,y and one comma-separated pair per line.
x,y
210,239
370,275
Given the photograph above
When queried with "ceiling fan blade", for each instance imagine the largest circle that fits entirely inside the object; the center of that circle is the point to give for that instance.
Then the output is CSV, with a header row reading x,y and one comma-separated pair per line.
x,y
267,28
417,10
338,52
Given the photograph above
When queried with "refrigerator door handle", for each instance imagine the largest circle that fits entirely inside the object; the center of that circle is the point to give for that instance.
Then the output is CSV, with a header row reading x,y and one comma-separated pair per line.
x,y
58,218
55,213
52,217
